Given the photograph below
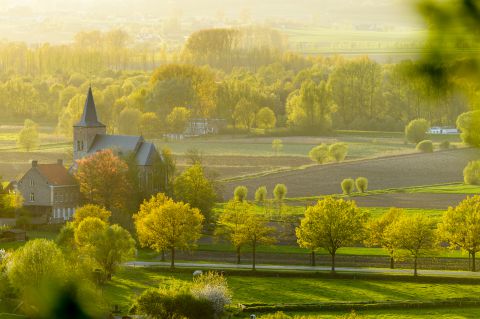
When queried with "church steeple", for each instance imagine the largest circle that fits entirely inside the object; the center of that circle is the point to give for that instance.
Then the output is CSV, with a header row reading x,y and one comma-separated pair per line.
x,y
89,116
85,131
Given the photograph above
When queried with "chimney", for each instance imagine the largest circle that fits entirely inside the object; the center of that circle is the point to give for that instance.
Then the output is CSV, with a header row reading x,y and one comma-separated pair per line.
x,y
34,163
60,162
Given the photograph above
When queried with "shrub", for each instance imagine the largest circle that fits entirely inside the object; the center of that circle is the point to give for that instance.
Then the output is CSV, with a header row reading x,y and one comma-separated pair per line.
x,y
212,287
279,192
261,194
362,184
444,145
469,123
240,193
338,151
471,173
347,186
319,153
416,130
425,146
172,303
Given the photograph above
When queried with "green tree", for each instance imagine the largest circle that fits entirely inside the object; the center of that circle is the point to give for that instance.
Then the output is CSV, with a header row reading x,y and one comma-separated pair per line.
x,y
332,224
347,186
319,154
377,236
231,222
178,119
338,151
28,137
240,193
460,227
279,194
468,123
244,113
255,231
150,125
261,195
471,173
167,225
193,187
416,130
265,118
362,184
90,210
413,233
129,121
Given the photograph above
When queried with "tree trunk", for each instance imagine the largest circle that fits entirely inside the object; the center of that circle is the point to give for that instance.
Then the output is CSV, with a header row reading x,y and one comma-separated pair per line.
x,y
238,255
392,263
473,262
172,263
333,262
163,255
415,267
253,257
313,257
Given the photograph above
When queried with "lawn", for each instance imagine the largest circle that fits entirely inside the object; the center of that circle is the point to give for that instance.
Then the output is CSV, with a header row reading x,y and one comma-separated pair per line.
x,y
271,289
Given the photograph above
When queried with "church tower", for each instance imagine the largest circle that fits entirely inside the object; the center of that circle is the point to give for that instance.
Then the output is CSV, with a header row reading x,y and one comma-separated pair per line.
x,y
87,128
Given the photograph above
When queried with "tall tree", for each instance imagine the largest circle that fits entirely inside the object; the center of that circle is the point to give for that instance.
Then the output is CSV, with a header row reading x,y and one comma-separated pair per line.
x,y
460,227
28,137
163,224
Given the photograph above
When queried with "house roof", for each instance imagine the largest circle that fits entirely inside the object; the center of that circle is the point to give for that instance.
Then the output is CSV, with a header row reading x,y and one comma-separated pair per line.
x,y
89,116
56,174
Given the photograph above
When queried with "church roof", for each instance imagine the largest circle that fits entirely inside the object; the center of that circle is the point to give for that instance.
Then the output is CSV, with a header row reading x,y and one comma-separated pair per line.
x,y
124,145
89,116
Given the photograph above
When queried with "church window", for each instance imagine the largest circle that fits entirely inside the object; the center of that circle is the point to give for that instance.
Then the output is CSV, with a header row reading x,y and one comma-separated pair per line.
x,y
32,197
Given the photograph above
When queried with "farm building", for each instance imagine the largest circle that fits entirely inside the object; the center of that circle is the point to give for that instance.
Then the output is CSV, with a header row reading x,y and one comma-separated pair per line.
x,y
443,130
50,192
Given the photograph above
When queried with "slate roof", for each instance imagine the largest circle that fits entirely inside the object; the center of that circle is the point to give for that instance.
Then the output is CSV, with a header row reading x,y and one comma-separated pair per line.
x,y
56,174
124,145
89,116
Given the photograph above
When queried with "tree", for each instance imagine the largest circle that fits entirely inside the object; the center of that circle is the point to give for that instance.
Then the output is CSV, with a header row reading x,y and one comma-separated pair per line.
x,y
416,130
277,146
460,227
261,195
255,231
377,235
362,184
193,187
307,235
28,137
103,179
279,193
38,263
425,146
177,119
471,173
319,154
412,233
332,224
150,125
90,210
168,226
347,186
231,222
240,193
265,118
468,123
129,121
338,151
244,113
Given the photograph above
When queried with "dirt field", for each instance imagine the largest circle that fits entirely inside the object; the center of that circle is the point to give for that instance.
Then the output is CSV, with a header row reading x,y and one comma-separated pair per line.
x,y
390,172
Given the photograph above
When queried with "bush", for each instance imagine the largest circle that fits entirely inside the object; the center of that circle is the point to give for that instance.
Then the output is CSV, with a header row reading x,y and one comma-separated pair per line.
x,y
261,194
444,145
172,303
279,192
425,146
212,287
240,193
362,184
319,153
416,130
471,173
338,151
469,124
347,186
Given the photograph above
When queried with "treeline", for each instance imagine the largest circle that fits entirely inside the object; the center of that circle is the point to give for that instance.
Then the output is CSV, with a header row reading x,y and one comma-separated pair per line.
x,y
241,75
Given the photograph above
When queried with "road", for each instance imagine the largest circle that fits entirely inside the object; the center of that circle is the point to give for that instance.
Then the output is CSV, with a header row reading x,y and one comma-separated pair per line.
x,y
384,271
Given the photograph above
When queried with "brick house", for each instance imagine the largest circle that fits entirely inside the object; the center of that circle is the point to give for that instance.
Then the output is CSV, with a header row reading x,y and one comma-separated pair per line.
x,y
50,193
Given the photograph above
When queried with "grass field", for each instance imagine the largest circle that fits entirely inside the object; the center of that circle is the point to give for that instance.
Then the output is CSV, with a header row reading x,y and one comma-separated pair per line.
x,y
272,289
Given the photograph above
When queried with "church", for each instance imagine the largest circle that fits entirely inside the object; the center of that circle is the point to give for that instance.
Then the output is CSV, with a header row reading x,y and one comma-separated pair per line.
x,y
50,191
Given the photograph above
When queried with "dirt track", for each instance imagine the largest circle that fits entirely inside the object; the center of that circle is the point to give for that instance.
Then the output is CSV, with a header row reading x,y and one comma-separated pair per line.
x,y
382,173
